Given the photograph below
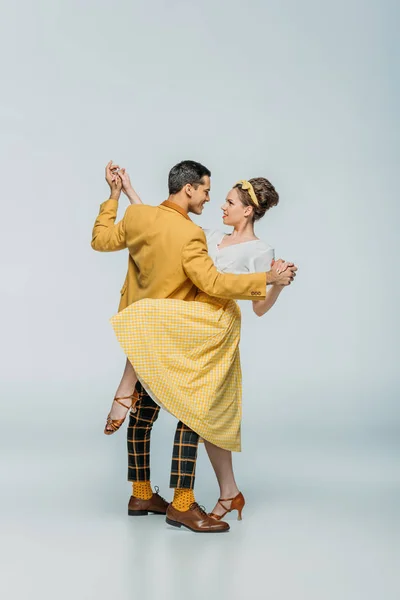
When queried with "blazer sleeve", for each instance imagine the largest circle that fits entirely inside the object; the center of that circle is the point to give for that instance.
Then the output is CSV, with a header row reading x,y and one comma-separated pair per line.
x,y
108,236
201,270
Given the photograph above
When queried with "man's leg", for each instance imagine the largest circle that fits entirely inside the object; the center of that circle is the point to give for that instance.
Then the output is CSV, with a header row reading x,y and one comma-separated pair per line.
x,y
183,468
139,432
143,500
184,511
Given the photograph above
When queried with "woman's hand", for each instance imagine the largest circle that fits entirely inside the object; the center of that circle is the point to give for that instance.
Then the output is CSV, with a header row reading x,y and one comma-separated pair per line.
x,y
127,187
126,182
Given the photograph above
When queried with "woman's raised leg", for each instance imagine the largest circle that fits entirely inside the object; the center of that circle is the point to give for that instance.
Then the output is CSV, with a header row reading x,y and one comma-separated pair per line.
x,y
124,393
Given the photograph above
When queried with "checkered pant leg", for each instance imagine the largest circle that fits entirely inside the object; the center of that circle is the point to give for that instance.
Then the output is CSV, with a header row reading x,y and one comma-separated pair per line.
x,y
139,432
184,456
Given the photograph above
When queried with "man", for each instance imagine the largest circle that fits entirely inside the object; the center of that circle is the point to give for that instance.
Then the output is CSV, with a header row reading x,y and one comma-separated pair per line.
x,y
169,259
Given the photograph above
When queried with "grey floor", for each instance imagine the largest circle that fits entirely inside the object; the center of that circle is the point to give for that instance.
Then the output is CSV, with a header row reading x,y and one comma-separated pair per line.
x,y
321,520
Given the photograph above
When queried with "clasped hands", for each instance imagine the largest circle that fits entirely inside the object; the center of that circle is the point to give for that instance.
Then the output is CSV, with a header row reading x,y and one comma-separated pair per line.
x,y
284,272
118,180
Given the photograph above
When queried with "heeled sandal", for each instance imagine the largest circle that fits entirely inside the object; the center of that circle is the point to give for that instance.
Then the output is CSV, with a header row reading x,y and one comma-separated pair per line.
x,y
237,503
115,424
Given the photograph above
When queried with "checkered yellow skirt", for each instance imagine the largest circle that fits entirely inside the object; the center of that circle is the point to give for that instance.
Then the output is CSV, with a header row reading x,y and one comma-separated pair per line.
x,y
186,355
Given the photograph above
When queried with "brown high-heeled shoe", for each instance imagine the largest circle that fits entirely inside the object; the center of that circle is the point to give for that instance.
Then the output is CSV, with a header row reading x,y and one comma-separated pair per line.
x,y
115,424
237,503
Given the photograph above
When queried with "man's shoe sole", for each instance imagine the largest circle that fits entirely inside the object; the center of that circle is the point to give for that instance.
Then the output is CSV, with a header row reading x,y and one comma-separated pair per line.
x,y
177,524
142,513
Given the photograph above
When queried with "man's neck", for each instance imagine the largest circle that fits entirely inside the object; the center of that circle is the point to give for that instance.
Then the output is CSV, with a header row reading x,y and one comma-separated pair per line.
x,y
180,201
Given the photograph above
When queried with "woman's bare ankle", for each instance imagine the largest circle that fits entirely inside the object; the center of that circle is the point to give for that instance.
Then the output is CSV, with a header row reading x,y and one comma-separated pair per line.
x,y
124,394
230,491
126,387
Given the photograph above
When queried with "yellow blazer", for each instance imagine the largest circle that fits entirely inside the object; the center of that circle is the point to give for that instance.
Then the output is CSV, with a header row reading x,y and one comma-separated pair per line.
x,y
168,256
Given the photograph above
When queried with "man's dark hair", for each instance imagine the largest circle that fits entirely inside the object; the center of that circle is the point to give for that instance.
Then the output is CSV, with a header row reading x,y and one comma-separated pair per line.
x,y
187,171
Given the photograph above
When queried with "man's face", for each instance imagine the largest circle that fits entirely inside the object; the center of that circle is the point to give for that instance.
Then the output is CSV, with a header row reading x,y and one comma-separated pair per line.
x,y
199,196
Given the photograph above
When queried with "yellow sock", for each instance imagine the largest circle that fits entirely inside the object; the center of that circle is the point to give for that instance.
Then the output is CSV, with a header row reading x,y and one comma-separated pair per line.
x,y
142,490
183,498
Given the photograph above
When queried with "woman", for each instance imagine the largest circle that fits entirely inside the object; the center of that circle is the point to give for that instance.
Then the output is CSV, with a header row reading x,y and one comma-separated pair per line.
x,y
175,388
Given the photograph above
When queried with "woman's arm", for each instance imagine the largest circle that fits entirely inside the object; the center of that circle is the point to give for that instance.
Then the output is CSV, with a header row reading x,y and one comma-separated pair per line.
x,y
260,307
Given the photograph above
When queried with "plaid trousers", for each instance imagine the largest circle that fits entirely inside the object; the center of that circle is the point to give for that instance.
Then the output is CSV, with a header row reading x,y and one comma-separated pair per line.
x,y
184,453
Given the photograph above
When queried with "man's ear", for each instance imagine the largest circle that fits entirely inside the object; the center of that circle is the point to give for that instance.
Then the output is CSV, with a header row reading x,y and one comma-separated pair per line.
x,y
189,190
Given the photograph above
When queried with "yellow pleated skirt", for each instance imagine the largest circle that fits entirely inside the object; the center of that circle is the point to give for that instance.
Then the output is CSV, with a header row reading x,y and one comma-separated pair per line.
x,y
186,355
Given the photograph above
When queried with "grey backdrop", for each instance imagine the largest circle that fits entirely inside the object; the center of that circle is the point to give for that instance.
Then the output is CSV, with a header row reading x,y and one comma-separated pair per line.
x,y
305,94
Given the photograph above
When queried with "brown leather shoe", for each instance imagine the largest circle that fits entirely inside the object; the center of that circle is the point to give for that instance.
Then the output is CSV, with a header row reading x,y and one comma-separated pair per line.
x,y
156,504
196,519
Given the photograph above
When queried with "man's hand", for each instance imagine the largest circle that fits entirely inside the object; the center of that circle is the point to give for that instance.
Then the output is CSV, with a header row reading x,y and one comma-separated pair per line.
x,y
282,273
111,171
113,180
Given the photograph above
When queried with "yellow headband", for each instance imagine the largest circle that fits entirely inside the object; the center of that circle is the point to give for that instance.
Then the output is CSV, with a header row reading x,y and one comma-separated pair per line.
x,y
246,185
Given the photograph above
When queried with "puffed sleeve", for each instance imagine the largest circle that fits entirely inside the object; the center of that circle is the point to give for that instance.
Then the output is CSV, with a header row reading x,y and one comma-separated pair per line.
x,y
261,260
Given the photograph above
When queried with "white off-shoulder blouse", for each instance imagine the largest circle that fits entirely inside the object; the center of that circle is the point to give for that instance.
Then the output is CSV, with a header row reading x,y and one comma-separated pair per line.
x,y
254,256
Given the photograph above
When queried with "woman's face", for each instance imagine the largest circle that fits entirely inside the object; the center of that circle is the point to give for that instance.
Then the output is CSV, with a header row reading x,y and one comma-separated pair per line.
x,y
234,212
